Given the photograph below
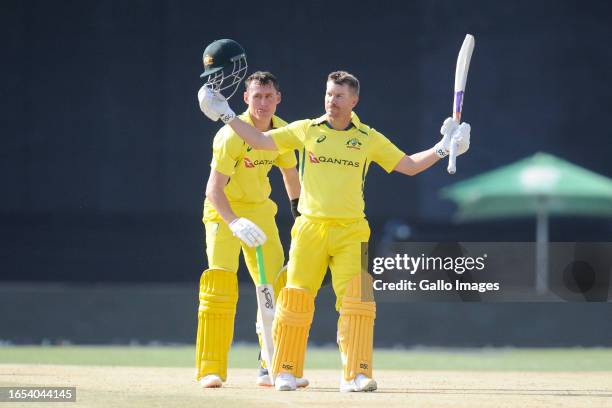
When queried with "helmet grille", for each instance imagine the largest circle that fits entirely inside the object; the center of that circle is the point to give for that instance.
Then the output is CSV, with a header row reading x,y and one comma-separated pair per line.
x,y
229,82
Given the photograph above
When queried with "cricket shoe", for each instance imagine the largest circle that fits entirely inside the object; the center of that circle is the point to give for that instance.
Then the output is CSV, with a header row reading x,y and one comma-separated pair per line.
x,y
285,382
264,380
211,381
361,383
302,382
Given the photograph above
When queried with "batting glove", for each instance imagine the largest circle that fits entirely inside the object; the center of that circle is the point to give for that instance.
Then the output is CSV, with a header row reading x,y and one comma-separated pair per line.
x,y
449,126
461,137
214,105
248,232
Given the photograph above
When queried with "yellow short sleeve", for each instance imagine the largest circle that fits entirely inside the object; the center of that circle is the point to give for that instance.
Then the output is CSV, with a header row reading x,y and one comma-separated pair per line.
x,y
290,137
383,152
227,149
286,160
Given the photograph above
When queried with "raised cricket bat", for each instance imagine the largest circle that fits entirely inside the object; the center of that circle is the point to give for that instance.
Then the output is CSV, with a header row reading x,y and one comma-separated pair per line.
x,y
461,72
265,312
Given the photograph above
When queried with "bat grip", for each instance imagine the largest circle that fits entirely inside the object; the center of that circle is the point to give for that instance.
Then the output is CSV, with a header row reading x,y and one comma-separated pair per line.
x,y
260,265
452,159
452,154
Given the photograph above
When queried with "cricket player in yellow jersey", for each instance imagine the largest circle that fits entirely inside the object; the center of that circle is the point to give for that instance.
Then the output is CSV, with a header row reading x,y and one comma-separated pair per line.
x,y
238,214
335,151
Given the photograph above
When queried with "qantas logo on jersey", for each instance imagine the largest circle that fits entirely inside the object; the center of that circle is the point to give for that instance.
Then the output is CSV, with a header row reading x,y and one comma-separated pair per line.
x,y
332,160
251,164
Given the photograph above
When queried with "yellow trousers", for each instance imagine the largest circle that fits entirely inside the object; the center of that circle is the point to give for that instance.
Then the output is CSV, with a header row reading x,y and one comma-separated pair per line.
x,y
318,244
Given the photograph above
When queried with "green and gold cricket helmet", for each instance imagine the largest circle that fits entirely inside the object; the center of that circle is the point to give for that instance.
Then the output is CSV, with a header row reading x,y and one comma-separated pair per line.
x,y
225,66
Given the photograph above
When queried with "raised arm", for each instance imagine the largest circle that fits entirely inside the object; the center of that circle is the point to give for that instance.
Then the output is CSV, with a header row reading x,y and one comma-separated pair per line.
x,y
416,163
252,136
215,106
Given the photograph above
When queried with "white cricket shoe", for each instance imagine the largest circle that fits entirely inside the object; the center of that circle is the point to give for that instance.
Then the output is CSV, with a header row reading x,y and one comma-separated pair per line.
x,y
361,383
211,381
285,382
265,380
302,382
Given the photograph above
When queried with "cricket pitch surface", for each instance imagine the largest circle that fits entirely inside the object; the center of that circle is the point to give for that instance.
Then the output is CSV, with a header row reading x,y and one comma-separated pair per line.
x,y
115,386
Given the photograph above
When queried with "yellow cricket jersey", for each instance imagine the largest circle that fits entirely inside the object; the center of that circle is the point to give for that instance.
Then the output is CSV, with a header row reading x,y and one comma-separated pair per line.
x,y
334,164
247,168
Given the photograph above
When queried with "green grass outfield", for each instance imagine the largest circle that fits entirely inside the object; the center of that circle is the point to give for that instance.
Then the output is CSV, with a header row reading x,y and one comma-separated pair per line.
x,y
245,356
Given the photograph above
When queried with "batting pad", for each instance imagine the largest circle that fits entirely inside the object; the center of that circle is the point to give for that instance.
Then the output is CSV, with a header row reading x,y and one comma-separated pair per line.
x,y
294,312
356,327
218,298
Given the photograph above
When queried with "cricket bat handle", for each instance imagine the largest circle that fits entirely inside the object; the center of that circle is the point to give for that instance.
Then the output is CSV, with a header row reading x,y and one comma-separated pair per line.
x,y
452,154
260,265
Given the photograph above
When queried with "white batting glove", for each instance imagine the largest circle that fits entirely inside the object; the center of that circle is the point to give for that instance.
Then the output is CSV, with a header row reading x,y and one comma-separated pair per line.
x,y
248,232
461,137
214,105
449,126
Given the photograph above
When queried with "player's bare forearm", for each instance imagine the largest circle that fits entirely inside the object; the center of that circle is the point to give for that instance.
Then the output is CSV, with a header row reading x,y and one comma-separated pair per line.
x,y
216,195
292,182
416,163
252,136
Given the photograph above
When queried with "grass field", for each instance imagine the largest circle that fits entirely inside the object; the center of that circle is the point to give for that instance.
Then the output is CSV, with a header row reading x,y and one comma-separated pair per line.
x,y
163,376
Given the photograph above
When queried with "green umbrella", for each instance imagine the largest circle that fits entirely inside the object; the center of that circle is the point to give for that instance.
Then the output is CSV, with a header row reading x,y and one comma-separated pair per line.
x,y
539,186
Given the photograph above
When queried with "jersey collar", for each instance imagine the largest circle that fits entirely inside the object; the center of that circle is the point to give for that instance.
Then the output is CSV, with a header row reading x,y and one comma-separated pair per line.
x,y
354,120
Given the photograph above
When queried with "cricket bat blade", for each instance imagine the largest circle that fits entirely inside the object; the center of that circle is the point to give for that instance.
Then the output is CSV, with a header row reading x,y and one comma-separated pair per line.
x,y
461,72
265,311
